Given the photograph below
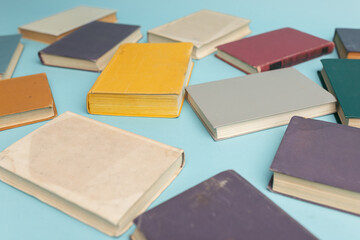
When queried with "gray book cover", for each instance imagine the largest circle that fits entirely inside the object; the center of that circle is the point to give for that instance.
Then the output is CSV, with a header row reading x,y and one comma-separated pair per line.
x,y
8,46
224,206
258,96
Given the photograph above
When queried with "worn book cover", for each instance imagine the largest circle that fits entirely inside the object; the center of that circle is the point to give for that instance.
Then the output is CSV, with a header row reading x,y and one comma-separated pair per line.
x,y
272,50
97,173
326,157
341,77
10,51
55,27
25,100
143,79
206,29
224,206
92,45
347,42
255,102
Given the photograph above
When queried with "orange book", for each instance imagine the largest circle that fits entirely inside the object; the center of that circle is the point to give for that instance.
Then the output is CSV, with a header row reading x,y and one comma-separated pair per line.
x,y
25,100
143,79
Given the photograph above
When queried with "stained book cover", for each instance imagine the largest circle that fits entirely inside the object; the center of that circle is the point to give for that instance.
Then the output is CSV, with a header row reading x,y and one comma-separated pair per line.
x,y
91,41
21,96
224,206
276,49
97,173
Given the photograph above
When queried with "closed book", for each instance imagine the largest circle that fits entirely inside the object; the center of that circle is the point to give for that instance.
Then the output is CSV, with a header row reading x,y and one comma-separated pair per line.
x,y
347,42
10,51
55,27
224,206
96,173
25,100
90,47
272,50
250,103
318,162
143,79
341,77
206,29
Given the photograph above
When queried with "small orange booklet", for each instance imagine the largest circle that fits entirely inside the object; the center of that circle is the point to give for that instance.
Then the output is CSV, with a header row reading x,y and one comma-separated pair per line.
x,y
25,100
143,79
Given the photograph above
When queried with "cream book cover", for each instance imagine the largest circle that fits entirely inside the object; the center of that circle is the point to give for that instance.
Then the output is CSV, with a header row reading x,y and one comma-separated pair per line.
x,y
206,29
52,28
97,173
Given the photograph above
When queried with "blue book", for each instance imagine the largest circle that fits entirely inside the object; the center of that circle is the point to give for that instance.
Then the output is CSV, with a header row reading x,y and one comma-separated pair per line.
x,y
347,42
10,51
90,47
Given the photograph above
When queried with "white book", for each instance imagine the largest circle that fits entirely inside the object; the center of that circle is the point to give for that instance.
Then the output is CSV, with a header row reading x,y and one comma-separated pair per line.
x,y
205,29
55,27
97,173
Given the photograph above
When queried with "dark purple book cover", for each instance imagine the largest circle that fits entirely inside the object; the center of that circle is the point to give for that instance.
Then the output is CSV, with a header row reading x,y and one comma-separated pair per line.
x,y
321,152
91,41
226,207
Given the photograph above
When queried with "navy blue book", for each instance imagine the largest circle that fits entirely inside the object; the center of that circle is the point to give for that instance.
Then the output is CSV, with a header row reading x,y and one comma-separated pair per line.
x,y
224,206
10,51
90,47
347,42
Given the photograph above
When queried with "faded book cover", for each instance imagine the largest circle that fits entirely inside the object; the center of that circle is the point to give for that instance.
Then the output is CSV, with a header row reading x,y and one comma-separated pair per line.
x,y
97,173
224,206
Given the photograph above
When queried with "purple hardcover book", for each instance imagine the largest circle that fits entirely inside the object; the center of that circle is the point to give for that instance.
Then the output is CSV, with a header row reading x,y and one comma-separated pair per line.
x,y
319,162
93,43
224,206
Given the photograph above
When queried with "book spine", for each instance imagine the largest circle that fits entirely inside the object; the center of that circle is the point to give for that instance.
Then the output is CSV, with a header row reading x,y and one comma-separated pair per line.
x,y
299,57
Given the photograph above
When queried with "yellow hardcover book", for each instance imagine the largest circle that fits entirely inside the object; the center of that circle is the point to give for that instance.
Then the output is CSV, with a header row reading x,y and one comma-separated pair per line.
x,y
143,79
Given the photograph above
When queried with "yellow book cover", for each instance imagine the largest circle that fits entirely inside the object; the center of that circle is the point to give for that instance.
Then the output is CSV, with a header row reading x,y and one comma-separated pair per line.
x,y
143,79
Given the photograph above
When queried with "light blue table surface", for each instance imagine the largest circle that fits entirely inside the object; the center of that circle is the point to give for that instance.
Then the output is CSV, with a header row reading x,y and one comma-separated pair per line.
x,y
24,217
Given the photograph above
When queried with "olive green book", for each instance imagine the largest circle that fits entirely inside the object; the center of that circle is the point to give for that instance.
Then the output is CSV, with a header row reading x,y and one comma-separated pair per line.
x,y
342,79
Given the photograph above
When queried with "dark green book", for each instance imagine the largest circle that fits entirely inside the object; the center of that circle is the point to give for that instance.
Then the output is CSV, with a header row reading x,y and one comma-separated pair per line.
x,y
342,79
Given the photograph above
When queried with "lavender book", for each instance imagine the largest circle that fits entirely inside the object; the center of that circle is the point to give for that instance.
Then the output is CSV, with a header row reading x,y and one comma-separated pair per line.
x,y
224,206
318,161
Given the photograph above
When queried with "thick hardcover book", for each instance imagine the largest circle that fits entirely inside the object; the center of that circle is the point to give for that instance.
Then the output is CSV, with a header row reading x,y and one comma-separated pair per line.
x,y
341,77
272,50
347,42
10,51
53,28
250,103
224,206
318,162
25,100
90,47
143,79
97,173
205,29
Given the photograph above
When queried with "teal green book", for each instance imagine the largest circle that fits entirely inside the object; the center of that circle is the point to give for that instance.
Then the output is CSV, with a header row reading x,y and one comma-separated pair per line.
x,y
342,79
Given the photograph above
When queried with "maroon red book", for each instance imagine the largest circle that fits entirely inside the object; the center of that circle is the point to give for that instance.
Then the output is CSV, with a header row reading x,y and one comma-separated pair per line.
x,y
272,50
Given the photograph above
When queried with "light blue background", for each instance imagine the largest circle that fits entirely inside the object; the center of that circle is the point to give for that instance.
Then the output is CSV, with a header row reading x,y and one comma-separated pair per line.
x,y
24,217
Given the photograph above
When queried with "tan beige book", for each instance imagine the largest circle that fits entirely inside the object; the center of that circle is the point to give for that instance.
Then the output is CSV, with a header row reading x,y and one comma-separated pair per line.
x,y
206,29
55,27
97,173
